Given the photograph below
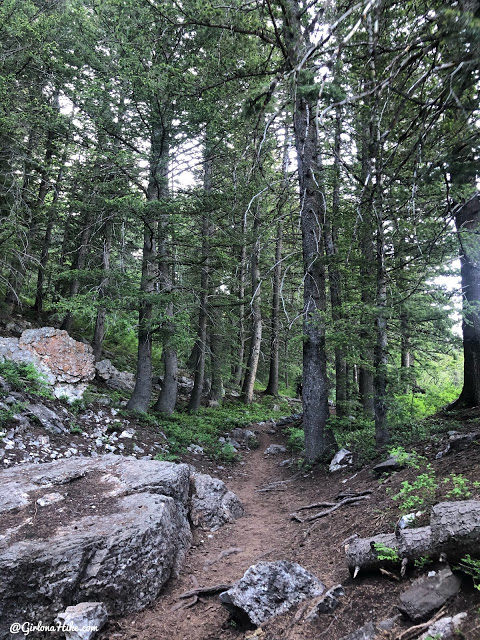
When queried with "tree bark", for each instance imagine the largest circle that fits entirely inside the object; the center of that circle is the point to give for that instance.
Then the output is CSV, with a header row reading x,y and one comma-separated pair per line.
x,y
467,220
330,237
80,261
256,337
157,188
239,357
319,439
216,390
99,332
201,351
272,385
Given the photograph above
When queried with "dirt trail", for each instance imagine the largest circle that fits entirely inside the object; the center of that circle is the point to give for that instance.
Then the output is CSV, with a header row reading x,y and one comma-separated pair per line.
x,y
266,532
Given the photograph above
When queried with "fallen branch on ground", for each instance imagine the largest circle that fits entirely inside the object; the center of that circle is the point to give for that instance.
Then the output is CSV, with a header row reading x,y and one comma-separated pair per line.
x,y
205,591
415,631
333,508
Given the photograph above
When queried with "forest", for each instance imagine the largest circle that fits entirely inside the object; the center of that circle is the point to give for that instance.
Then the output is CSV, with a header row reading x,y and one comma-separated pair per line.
x,y
274,197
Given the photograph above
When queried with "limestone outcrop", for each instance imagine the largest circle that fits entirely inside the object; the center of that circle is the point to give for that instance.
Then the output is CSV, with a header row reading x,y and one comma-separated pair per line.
x,y
109,529
68,365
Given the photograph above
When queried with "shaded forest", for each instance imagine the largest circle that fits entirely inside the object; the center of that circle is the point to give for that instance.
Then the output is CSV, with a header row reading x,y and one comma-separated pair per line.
x,y
272,195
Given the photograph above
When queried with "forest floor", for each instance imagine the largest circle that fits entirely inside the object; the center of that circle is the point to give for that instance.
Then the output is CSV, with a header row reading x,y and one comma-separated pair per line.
x,y
267,532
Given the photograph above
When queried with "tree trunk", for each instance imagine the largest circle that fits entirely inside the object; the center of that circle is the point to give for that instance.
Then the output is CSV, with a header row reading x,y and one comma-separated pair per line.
x,y
319,440
467,220
47,241
330,233
382,436
256,337
206,230
99,332
216,390
272,385
157,188
238,366
80,261
167,398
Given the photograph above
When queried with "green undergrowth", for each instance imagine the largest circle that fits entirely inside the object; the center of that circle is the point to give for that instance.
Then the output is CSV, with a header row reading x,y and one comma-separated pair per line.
x,y
24,377
206,426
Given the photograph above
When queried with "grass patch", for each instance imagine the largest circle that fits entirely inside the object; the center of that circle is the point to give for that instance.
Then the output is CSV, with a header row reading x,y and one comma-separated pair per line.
x,y
205,427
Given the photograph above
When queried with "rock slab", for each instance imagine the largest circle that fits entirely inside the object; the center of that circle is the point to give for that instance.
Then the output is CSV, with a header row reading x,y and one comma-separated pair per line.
x,y
268,589
427,594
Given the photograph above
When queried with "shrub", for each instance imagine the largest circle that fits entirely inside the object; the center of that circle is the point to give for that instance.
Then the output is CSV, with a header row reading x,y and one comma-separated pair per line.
x,y
25,377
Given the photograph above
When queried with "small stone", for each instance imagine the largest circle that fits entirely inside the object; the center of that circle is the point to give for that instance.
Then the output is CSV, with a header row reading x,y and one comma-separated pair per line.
x,y
275,450
49,498
83,621
341,460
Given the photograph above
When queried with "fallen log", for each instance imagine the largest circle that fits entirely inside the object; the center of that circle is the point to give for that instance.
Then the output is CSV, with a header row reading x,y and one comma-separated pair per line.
x,y
410,544
454,531
456,528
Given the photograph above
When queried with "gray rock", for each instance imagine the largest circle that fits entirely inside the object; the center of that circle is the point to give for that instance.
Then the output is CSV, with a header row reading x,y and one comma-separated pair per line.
x,y
427,594
275,450
245,437
389,465
367,632
445,628
47,418
83,621
122,557
341,460
211,504
326,604
268,589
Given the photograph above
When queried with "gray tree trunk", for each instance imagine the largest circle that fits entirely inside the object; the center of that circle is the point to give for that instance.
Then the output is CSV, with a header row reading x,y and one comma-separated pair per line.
x,y
319,440
157,189
256,337
99,332
201,351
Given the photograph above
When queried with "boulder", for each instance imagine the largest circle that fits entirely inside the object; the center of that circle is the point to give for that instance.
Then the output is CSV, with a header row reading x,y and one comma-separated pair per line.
x,y
67,365
113,378
109,529
268,589
389,466
275,450
341,460
429,593
211,504
47,418
367,632
83,621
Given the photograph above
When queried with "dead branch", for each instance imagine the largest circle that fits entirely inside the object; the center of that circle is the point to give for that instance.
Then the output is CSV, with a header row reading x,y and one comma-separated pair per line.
x,y
353,494
205,591
333,508
415,631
